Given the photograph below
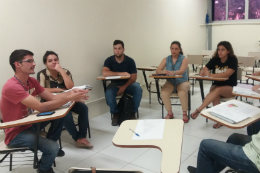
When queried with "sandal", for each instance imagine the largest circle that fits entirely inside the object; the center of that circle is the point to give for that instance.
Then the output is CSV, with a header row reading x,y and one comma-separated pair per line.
x,y
217,126
185,120
169,116
81,145
194,113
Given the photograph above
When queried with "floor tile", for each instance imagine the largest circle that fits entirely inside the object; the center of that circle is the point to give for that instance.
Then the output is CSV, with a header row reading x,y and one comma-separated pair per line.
x,y
190,144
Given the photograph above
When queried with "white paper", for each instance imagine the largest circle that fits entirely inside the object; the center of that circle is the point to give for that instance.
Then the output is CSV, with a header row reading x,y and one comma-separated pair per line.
x,y
84,87
149,129
244,91
113,77
235,110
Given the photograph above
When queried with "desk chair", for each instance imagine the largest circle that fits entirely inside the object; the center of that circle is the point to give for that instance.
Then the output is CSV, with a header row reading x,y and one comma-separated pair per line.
x,y
4,149
256,55
207,55
194,59
99,170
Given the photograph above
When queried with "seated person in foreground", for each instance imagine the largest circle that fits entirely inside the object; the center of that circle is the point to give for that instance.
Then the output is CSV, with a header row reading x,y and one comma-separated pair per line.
x,y
176,64
224,65
55,79
121,65
240,152
18,101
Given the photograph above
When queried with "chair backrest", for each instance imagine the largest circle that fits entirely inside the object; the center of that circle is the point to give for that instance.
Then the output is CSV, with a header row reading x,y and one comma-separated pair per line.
x,y
239,73
254,54
208,52
247,61
195,59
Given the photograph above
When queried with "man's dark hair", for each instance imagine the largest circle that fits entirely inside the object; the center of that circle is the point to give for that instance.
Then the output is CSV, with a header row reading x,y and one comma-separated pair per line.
x,y
47,53
119,42
18,55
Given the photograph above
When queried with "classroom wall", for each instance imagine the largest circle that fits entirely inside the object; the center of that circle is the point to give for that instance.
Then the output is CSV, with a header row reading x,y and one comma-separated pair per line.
x,y
244,38
82,32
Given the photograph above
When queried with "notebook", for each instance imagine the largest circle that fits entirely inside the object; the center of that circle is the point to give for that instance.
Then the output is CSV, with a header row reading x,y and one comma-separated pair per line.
x,y
84,87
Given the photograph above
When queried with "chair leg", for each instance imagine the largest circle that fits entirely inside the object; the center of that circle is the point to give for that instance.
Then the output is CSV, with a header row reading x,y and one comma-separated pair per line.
x,y
60,143
54,164
193,86
89,135
162,111
11,161
149,97
137,114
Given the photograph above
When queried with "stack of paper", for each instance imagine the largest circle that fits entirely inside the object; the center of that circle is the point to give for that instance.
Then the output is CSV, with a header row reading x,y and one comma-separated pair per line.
x,y
113,77
244,90
234,110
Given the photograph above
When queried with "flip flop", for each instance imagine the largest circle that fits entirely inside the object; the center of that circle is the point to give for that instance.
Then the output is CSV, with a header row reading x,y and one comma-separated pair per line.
x,y
217,127
171,116
81,145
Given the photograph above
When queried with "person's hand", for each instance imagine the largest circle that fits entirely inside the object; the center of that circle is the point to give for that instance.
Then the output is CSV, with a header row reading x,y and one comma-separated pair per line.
x,y
124,74
207,73
121,90
256,74
255,88
58,68
59,90
78,95
169,73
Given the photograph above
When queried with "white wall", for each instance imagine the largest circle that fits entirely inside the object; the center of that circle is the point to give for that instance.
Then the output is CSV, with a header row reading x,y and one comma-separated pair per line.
x,y
82,32
244,38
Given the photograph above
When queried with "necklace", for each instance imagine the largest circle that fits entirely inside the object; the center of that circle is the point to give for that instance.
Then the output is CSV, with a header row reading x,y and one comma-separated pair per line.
x,y
22,84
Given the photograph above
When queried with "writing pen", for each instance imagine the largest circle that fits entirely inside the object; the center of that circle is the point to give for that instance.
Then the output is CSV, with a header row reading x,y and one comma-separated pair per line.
x,y
134,132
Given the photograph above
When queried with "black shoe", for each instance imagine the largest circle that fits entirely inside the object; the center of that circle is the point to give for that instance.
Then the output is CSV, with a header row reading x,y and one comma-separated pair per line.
x,y
191,169
114,119
61,153
41,171
132,116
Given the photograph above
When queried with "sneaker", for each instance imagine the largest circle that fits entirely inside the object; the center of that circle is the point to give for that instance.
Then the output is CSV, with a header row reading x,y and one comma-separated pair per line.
x,y
132,116
114,119
61,153
41,171
191,169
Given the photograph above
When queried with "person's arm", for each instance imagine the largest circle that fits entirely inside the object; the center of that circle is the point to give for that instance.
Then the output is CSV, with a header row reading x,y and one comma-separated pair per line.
x,y
160,68
182,69
54,90
256,74
66,78
255,88
108,72
56,101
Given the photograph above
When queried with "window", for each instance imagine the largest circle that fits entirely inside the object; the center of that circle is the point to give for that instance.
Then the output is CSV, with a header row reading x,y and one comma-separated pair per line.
x,y
219,9
254,9
236,9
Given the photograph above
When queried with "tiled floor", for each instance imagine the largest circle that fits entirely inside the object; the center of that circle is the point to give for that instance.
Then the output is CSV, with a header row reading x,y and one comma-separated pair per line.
x,y
105,155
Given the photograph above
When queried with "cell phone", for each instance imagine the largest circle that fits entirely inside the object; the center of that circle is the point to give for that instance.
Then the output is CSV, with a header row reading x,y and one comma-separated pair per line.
x,y
45,114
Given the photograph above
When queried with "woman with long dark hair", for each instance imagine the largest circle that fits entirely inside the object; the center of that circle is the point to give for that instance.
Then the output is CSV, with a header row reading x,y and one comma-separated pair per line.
x,y
224,65
176,64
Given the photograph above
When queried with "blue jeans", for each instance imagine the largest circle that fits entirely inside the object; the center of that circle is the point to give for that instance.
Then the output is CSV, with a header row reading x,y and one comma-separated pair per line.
x,y
134,89
82,110
250,128
215,155
48,146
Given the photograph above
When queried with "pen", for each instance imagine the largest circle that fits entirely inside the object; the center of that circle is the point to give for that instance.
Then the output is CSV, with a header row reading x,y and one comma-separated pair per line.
x,y
134,132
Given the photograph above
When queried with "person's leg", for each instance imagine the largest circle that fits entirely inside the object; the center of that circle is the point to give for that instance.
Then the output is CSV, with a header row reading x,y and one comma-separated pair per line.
x,y
70,125
182,90
215,155
82,110
166,91
250,131
111,97
49,148
224,91
136,91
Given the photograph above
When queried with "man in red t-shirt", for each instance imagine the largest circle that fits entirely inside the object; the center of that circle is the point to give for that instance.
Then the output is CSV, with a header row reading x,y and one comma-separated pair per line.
x,y
18,100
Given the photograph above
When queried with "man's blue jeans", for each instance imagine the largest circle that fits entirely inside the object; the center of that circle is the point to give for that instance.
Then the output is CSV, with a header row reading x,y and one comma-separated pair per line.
x,y
48,146
215,155
134,89
82,110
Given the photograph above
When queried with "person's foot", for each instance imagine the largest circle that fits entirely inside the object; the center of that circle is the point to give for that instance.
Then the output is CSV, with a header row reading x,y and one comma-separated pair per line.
x,y
61,153
217,126
41,171
169,116
195,114
185,118
83,143
114,119
132,116
191,169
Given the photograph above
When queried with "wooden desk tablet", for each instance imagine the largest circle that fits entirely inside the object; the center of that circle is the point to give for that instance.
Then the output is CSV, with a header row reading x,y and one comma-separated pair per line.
x,y
170,145
239,125
257,78
248,96
146,68
166,77
89,170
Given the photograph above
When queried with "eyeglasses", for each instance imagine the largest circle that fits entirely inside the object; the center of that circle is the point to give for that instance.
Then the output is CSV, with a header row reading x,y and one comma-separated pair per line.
x,y
28,60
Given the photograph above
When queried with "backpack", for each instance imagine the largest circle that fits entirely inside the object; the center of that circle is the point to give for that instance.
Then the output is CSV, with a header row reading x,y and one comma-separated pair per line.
x,y
125,106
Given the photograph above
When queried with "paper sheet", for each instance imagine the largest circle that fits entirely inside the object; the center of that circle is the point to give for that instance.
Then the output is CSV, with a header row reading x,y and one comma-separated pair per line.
x,y
84,87
241,85
149,129
113,77
235,110
245,91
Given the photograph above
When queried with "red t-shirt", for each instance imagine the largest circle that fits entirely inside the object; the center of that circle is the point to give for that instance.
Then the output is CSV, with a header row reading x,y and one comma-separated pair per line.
x,y
10,104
